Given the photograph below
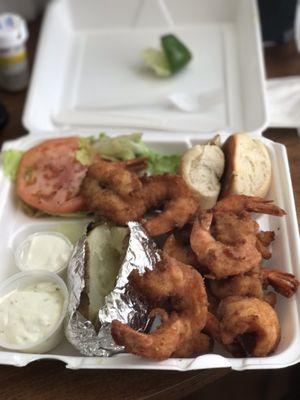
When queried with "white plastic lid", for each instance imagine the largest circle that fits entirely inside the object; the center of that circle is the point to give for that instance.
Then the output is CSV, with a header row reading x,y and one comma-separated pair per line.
x,y
13,31
100,81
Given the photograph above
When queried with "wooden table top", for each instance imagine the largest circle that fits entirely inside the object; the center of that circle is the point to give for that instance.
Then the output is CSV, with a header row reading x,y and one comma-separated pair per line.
x,y
51,380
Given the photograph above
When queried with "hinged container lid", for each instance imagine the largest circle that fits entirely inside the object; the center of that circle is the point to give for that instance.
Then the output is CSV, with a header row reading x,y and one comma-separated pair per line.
x,y
89,73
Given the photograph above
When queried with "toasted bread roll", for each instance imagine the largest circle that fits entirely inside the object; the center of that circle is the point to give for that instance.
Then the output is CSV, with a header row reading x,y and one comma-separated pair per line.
x,y
248,167
202,167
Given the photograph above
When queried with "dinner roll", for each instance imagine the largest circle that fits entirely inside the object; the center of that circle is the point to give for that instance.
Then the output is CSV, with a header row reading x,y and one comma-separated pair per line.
x,y
248,167
202,167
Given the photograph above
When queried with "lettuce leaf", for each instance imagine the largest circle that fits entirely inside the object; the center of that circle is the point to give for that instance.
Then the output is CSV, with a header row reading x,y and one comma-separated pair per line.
x,y
117,148
85,152
131,146
11,159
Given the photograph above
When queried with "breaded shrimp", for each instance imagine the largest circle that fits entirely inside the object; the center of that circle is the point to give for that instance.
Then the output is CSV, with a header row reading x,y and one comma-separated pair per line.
x,y
199,343
240,285
225,238
176,247
167,284
249,315
220,259
238,203
284,283
108,189
171,192
158,345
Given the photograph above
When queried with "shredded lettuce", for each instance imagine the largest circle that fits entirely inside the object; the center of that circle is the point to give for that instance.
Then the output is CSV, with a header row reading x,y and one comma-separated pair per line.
x,y
131,146
11,159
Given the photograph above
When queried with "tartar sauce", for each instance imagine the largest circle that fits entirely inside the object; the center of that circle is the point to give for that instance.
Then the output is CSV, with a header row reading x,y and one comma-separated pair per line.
x,y
44,250
29,314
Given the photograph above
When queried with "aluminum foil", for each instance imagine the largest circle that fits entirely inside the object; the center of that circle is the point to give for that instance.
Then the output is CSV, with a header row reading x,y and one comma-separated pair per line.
x,y
121,304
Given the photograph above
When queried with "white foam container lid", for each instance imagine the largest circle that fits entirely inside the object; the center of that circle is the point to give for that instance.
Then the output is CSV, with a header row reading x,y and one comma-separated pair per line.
x,y
87,56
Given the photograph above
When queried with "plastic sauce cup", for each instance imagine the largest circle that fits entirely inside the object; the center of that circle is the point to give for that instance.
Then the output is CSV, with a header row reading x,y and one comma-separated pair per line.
x,y
46,250
56,334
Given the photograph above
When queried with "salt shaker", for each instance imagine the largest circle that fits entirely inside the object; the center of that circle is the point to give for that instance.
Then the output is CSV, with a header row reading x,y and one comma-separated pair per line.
x,y
13,56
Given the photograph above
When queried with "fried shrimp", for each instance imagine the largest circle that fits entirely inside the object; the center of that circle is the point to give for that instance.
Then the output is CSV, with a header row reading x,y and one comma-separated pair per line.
x,y
116,192
175,246
224,239
168,284
108,189
171,192
158,345
135,165
284,283
239,285
239,203
248,315
223,260
199,343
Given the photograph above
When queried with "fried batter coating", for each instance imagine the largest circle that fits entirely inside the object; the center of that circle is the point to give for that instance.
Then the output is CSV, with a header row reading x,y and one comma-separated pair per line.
x,y
116,192
169,282
230,228
253,283
176,247
223,260
158,345
224,239
199,343
179,204
248,315
108,189
136,165
239,285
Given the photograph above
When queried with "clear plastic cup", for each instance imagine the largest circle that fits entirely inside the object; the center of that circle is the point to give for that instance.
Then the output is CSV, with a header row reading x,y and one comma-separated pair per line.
x,y
59,262
56,334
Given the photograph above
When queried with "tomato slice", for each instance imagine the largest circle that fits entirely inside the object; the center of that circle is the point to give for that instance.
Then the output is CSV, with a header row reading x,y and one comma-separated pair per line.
x,y
49,176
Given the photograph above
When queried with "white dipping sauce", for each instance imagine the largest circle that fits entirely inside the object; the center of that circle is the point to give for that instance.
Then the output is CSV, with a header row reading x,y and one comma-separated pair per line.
x,y
44,250
29,314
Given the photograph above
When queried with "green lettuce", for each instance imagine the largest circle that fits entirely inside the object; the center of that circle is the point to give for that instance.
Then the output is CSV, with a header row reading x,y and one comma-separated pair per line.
x,y
117,148
85,152
11,159
124,147
131,146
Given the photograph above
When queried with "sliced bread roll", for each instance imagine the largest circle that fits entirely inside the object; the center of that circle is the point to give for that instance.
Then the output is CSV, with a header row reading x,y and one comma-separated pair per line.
x,y
248,167
202,167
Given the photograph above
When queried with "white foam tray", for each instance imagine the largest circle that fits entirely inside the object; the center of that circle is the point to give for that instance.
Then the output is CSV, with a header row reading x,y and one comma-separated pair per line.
x,y
89,57
15,225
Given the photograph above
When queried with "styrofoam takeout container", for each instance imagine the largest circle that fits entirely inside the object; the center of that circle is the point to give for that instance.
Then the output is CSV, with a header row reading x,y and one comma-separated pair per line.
x,y
23,279
87,56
